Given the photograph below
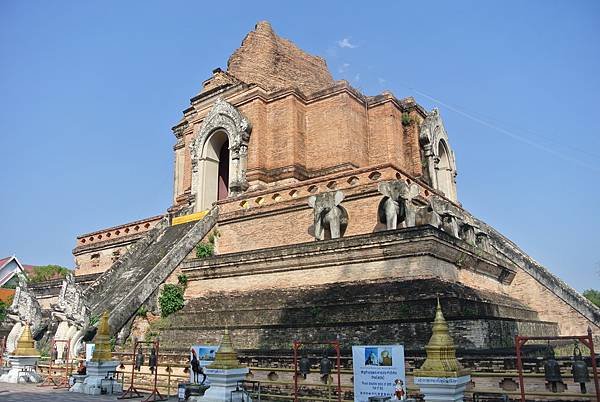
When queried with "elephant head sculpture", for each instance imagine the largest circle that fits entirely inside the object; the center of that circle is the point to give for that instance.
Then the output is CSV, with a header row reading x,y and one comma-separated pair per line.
x,y
440,215
396,208
467,230
427,215
329,216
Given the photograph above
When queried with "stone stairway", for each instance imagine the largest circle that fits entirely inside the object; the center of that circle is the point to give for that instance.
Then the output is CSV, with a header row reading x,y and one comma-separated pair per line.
x,y
131,280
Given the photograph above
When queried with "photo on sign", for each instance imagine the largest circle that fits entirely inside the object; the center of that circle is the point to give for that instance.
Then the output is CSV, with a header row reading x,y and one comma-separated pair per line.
x,y
385,357
378,356
207,353
371,357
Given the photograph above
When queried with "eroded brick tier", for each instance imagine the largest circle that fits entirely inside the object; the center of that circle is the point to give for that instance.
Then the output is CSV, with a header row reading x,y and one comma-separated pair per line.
x,y
376,288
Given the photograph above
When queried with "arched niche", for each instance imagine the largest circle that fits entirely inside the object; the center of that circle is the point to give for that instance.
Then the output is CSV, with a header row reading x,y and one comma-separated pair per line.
x,y
215,163
444,171
219,149
438,156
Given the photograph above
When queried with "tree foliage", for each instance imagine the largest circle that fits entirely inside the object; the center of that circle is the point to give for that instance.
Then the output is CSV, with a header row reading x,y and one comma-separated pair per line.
x,y
47,272
3,310
170,299
593,296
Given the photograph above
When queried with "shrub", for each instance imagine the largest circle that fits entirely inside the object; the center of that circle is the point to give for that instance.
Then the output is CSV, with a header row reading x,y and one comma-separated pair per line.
x,y
142,311
204,250
406,120
170,299
182,280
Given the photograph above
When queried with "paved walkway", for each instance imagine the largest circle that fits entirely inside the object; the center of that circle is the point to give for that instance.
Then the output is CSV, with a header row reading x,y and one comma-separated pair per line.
x,y
32,393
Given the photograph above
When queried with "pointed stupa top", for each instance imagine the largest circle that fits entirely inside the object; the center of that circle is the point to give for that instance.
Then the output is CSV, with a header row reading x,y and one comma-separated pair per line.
x,y
226,356
25,344
275,63
102,348
441,353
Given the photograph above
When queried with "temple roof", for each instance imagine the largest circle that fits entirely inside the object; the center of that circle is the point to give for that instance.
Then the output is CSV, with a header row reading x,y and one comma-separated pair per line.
x,y
274,63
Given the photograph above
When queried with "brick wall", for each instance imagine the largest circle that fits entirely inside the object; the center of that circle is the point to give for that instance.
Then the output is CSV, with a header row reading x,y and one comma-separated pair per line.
x,y
549,306
300,137
97,251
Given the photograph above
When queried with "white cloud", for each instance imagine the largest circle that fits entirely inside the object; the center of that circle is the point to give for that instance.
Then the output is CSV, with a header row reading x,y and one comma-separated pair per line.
x,y
381,81
357,77
345,43
343,68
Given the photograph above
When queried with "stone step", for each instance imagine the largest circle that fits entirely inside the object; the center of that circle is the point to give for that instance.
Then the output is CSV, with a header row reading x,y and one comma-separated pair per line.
x,y
140,268
128,284
95,292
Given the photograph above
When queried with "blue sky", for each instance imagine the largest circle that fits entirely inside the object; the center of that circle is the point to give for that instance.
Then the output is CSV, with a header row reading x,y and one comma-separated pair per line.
x,y
89,91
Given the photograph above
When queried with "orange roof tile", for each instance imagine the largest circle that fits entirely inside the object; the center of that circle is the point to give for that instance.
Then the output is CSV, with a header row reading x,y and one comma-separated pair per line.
x,y
6,294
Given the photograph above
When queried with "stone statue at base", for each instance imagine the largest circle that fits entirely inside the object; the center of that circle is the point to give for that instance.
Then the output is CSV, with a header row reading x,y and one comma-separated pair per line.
x,y
329,216
25,310
396,209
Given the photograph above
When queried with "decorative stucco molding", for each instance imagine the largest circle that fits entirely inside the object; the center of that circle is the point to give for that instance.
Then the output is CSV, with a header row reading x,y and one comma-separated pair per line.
x,y
436,147
223,116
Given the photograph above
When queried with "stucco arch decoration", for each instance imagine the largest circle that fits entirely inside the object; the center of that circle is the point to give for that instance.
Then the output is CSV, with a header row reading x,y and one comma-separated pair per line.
x,y
222,117
439,157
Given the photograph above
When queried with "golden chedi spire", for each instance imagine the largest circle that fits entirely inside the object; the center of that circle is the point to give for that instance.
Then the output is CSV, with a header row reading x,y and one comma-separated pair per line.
x,y
25,344
226,356
102,348
441,354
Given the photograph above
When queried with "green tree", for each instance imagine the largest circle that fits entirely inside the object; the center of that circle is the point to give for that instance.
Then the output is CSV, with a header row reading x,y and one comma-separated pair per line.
x,y
46,272
593,296
4,309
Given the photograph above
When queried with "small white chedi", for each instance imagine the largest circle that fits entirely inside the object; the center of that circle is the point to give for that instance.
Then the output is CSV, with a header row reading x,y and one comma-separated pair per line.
x,y
100,365
441,377
23,360
224,373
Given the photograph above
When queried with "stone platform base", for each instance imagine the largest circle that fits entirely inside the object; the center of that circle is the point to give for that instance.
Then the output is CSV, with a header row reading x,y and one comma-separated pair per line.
x,y
78,386
222,383
21,370
447,389
95,380
370,312
16,376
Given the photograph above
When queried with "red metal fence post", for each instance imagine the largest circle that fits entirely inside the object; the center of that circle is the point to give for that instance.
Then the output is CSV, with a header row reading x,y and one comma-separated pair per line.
x,y
520,366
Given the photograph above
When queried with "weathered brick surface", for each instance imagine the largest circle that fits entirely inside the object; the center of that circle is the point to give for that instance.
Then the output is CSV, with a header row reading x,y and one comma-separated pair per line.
x,y
381,311
275,63
290,221
298,137
549,295
376,287
549,306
